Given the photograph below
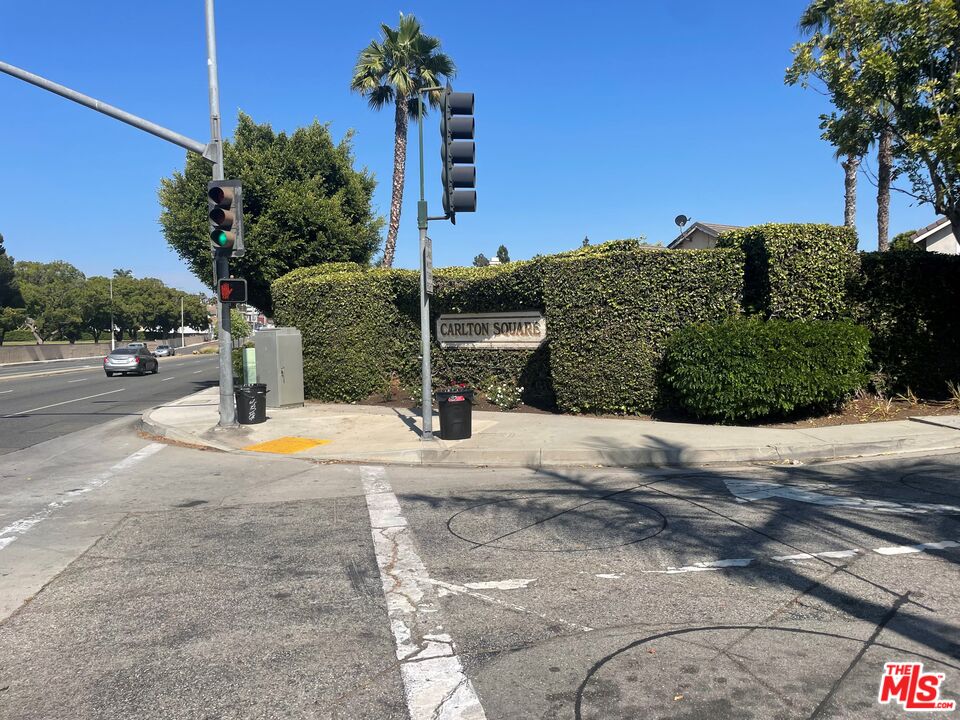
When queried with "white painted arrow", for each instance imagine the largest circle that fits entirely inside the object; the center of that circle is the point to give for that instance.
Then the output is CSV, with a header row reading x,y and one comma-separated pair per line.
x,y
750,490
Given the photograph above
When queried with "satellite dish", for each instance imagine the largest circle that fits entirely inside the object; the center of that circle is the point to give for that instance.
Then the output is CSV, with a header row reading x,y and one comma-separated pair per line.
x,y
681,220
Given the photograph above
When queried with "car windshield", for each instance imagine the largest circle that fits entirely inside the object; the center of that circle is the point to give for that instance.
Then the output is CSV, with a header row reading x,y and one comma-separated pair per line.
x,y
124,351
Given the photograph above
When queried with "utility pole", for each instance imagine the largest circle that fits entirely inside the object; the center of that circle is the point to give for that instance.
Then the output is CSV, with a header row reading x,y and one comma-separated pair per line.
x,y
228,412
181,323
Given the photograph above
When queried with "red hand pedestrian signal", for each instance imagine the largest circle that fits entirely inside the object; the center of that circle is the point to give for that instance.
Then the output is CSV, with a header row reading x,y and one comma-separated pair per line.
x,y
233,290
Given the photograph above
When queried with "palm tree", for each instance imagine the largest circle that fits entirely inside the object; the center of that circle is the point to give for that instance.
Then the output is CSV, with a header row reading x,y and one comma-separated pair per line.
x,y
884,175
393,70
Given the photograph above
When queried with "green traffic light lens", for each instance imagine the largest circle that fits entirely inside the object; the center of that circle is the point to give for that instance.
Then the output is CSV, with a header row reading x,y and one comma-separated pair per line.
x,y
221,239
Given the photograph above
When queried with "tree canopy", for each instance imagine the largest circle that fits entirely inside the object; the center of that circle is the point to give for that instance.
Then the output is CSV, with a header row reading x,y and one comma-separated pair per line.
x,y
892,65
63,304
12,314
303,204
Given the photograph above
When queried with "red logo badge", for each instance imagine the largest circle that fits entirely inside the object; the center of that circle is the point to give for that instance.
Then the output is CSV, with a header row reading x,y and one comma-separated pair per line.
x,y
907,684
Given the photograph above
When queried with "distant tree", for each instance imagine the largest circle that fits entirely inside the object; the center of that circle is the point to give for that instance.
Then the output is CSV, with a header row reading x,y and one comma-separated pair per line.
x,y
480,261
303,204
893,67
122,273
239,327
392,71
902,242
502,255
586,241
95,306
12,314
53,296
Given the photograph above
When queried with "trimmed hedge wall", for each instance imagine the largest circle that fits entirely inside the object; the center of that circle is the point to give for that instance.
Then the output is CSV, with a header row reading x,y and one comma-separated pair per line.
x,y
609,315
795,271
911,303
609,309
748,368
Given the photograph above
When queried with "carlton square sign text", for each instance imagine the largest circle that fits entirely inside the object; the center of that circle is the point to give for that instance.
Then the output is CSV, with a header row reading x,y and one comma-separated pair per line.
x,y
511,330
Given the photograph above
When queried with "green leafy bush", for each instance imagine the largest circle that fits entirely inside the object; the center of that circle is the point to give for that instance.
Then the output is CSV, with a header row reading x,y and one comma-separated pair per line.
x,y
795,271
911,303
610,310
748,368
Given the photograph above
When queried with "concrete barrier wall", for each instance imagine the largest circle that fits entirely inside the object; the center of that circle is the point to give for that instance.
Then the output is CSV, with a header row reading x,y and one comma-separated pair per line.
x,y
33,353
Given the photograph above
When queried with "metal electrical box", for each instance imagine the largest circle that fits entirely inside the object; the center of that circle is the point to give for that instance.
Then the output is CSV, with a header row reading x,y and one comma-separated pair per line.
x,y
280,365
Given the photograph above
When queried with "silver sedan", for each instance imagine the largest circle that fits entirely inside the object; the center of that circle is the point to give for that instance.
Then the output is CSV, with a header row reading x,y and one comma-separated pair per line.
x,y
130,360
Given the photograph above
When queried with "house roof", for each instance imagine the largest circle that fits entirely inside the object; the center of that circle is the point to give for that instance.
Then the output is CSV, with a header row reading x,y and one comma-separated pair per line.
x,y
711,229
925,232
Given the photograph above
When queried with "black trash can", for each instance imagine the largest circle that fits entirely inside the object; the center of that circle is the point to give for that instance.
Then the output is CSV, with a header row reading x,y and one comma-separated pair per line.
x,y
456,416
251,403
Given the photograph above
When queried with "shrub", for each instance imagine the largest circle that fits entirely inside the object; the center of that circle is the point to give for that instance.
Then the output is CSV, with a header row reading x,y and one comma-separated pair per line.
x,y
795,271
610,311
910,302
749,368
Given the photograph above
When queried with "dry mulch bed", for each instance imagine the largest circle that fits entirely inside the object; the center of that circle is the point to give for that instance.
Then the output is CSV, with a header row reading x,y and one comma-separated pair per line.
x,y
864,409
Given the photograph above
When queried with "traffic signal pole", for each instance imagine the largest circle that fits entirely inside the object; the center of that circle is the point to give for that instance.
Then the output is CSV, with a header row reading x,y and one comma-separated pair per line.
x,y
228,412
426,289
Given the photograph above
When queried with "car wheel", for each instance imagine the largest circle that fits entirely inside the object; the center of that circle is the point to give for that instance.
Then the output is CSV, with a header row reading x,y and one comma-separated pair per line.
x,y
156,368
109,374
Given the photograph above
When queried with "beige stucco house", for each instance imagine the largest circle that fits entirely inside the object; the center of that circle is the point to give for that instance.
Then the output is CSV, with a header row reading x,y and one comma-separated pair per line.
x,y
937,237
699,236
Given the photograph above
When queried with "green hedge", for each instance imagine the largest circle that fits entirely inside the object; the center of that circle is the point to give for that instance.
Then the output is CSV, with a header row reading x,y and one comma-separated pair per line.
x,y
362,326
610,313
795,271
346,320
911,303
747,368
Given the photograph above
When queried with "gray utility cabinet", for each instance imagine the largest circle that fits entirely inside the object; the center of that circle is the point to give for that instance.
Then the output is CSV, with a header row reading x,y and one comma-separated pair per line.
x,y
280,365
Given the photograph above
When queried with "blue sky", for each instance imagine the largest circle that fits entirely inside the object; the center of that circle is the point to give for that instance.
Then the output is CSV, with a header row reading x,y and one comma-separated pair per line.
x,y
603,119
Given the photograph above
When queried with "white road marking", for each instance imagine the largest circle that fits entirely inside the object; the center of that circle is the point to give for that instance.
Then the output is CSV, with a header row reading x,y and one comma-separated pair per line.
x,y
174,377
447,588
4,392
904,549
837,554
434,682
705,566
500,584
809,556
609,576
76,381
15,530
65,402
197,372
750,490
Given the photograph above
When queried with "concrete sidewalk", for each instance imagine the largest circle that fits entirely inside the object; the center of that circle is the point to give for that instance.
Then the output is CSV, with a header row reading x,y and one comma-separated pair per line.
x,y
360,433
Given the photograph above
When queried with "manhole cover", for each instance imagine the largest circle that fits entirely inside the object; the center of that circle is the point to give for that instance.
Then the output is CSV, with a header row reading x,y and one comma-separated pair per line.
x,y
557,523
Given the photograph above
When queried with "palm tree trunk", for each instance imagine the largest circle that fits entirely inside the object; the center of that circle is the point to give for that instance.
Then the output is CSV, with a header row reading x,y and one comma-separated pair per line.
x,y
850,167
399,172
884,171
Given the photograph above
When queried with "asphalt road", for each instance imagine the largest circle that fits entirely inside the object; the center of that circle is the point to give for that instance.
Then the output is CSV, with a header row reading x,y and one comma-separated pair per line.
x,y
39,402
152,581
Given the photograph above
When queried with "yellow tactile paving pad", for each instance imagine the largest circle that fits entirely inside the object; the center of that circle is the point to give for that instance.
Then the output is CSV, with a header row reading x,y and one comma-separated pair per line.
x,y
286,445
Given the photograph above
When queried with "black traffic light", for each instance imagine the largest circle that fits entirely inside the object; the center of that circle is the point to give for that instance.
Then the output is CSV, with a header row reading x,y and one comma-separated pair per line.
x,y
225,202
458,153
232,290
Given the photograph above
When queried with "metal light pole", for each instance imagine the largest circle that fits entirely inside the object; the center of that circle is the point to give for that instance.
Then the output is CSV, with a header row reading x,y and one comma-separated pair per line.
x,y
112,346
426,289
181,322
228,412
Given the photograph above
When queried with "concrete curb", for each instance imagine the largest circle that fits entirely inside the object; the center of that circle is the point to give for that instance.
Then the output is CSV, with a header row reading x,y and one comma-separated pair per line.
x,y
447,456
